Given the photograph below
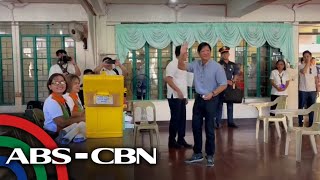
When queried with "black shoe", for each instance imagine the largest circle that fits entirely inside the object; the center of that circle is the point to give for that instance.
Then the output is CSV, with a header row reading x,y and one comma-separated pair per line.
x,y
174,145
185,144
218,126
232,125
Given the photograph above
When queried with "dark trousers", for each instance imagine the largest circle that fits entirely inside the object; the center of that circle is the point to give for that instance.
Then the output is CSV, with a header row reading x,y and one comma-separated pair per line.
x,y
307,98
81,96
204,109
140,96
178,119
273,97
53,135
220,108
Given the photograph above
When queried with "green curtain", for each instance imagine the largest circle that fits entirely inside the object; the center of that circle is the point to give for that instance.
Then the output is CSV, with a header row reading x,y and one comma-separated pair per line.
x,y
134,36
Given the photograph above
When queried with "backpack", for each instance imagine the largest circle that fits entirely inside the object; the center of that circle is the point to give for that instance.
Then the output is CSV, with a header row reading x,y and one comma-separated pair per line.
x,y
35,104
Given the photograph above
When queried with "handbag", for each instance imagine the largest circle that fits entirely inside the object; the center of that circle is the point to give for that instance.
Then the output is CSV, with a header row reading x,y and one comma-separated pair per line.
x,y
233,95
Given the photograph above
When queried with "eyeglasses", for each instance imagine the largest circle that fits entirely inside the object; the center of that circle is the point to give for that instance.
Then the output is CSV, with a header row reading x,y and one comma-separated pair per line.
x,y
58,83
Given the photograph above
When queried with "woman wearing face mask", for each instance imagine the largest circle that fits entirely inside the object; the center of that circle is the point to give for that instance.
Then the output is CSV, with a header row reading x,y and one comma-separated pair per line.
x,y
72,97
111,67
280,81
56,112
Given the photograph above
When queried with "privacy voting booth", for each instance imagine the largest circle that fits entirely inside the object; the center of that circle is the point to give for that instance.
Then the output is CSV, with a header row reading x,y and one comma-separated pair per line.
x,y
103,98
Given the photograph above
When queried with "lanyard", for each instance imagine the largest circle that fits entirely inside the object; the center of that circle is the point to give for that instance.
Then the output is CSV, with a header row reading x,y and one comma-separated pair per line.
x,y
281,77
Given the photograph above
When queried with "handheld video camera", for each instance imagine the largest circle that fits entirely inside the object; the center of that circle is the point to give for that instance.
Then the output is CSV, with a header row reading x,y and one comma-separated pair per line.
x,y
108,60
65,58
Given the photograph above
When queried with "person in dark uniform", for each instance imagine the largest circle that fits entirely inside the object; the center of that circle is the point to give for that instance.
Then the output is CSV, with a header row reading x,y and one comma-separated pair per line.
x,y
232,70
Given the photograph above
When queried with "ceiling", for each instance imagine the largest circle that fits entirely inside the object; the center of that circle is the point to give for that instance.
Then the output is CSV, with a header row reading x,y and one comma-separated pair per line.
x,y
123,1
194,2
235,8
206,2
297,2
43,1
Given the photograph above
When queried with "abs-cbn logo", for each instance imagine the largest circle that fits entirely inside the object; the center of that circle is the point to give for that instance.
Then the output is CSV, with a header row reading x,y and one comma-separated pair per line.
x,y
61,156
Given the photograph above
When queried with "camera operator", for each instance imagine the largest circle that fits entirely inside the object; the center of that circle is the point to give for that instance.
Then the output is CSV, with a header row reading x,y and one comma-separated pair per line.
x,y
65,65
111,67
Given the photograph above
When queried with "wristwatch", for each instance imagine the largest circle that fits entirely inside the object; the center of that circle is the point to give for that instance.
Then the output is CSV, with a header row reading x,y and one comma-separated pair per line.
x,y
213,93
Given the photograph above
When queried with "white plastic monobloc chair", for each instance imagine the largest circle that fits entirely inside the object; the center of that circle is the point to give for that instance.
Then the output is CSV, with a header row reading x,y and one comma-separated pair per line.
x,y
144,118
300,131
281,103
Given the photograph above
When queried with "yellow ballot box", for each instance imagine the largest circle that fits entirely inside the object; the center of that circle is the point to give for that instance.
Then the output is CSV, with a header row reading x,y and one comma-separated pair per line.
x,y
103,99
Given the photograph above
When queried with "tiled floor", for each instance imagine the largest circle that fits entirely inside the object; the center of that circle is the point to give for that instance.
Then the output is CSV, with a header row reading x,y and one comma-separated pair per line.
x,y
238,156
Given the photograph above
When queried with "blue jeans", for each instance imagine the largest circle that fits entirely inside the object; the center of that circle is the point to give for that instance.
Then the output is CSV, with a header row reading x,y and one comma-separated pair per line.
x,y
220,108
204,109
307,98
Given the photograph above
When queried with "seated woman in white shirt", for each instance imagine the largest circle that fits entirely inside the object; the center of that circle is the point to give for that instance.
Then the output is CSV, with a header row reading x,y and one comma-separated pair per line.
x,y
56,112
280,81
72,97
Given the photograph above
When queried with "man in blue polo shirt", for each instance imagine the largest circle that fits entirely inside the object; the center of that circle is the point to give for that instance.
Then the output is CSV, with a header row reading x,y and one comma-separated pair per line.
x,y
209,80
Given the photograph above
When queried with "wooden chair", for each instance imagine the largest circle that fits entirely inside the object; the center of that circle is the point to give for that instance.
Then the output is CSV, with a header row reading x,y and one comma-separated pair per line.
x,y
144,118
281,103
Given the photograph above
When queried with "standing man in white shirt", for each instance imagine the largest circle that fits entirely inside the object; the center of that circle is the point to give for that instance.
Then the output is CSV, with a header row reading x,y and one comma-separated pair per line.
x,y
111,67
177,93
307,85
65,65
